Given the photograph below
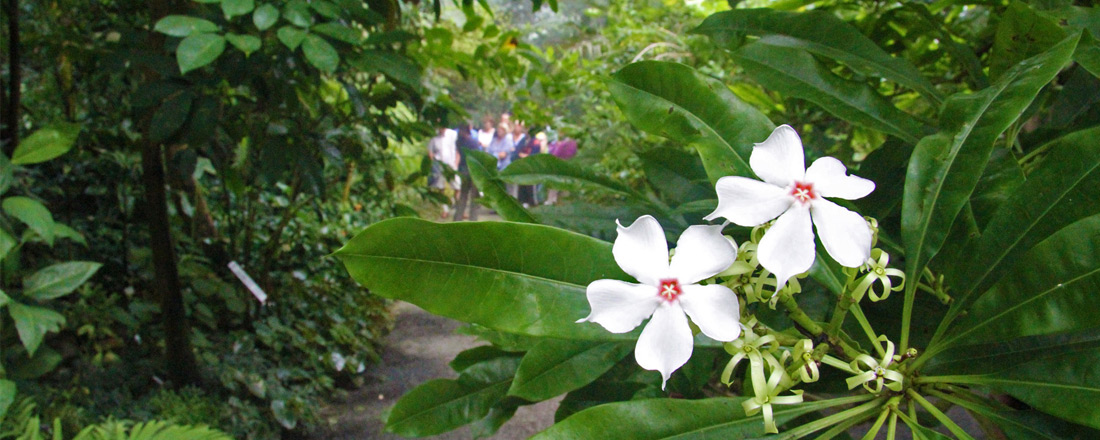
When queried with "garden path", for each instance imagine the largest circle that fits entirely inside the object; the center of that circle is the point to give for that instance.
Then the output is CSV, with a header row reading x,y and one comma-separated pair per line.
x,y
417,350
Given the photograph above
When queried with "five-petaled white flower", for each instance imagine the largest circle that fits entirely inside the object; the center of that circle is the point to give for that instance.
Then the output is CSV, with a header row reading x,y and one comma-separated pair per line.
x,y
795,194
667,291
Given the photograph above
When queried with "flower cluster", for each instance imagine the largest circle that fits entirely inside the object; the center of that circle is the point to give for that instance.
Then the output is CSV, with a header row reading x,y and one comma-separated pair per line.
x,y
709,279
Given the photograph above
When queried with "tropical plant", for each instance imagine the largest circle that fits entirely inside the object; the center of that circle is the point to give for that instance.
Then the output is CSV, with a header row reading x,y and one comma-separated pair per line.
x,y
968,286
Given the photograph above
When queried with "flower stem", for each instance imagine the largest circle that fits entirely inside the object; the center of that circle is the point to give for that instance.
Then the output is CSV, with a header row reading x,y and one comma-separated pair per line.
x,y
857,312
814,328
856,413
891,431
837,363
962,378
939,415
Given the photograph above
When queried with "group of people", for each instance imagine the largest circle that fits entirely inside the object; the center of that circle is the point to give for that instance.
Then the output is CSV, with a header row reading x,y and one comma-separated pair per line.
x,y
502,138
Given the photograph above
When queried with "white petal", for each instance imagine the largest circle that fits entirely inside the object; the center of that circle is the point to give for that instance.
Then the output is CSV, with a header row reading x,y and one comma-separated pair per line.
x,y
830,179
779,159
844,233
749,202
787,249
666,342
620,306
701,253
714,309
641,250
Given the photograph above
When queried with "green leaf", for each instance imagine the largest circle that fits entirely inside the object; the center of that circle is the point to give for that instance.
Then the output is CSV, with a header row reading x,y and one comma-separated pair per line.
x,y
290,36
992,357
1026,424
1088,54
325,8
440,405
265,16
1062,386
339,32
60,230
244,43
1022,33
32,323
1065,189
795,73
548,169
820,33
595,220
945,167
59,279
1001,178
7,243
320,53
7,396
183,25
483,171
33,213
297,13
4,299
170,116
1052,290
678,176
6,176
676,418
43,361
675,101
46,143
489,273
199,50
233,8
473,356
556,367
395,66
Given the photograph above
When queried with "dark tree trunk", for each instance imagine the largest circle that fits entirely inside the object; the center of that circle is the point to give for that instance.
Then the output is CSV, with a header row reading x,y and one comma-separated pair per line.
x,y
182,368
10,136
180,360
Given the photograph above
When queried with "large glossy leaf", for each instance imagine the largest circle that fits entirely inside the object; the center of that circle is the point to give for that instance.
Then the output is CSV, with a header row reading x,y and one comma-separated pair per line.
x,y
678,176
32,323
32,213
991,357
821,33
440,405
198,50
556,367
59,279
676,418
593,220
1065,189
545,168
46,143
944,168
1024,424
1022,32
675,101
795,73
1052,290
483,171
517,278
1064,386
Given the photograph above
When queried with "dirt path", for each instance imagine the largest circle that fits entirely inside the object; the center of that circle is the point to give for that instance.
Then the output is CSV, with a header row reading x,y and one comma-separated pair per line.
x,y
418,350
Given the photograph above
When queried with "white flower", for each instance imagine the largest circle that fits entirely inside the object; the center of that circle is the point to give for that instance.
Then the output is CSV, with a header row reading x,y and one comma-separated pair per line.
x,y
796,195
667,291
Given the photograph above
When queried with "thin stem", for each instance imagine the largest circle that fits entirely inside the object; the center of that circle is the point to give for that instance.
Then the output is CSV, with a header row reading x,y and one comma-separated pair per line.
x,y
891,431
857,312
825,422
961,378
907,315
843,427
939,415
875,428
813,327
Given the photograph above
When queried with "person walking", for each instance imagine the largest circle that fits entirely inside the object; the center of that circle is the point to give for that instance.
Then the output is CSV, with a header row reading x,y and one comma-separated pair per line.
x,y
465,143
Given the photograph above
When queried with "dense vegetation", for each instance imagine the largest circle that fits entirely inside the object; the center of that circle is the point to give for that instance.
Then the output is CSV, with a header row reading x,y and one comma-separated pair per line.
x,y
158,154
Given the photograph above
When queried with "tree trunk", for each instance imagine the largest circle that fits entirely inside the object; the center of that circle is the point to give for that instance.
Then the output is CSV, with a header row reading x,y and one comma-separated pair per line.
x,y
10,135
182,368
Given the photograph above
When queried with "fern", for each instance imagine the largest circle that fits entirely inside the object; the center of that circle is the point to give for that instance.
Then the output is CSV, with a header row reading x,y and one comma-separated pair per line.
x,y
153,430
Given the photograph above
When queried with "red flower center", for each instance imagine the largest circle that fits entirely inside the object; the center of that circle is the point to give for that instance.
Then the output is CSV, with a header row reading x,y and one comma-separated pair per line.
x,y
804,192
670,289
